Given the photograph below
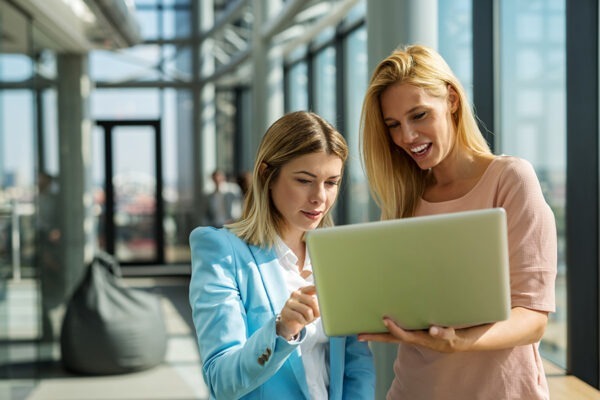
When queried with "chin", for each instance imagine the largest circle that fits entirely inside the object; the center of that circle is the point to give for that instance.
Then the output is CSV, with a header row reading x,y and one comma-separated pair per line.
x,y
313,225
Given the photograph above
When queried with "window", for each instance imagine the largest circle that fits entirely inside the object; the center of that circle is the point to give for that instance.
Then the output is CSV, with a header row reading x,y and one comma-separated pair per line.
x,y
532,121
355,85
324,84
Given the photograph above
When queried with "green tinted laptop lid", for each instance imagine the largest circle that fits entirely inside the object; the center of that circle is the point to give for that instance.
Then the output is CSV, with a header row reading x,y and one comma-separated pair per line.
x,y
445,269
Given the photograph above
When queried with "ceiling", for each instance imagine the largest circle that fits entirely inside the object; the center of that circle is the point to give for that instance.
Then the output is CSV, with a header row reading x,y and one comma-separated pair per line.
x,y
67,26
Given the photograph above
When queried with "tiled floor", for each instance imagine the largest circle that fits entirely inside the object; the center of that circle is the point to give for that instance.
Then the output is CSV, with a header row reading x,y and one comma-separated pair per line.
x,y
31,372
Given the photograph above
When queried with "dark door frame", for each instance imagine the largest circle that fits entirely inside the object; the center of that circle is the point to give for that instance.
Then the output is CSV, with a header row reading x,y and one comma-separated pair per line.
x,y
108,126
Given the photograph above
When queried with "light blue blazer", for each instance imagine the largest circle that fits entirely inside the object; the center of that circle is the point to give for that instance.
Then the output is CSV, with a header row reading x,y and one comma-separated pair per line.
x,y
236,291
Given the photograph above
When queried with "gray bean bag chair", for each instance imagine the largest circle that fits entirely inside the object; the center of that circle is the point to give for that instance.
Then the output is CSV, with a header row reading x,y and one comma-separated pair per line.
x,y
109,328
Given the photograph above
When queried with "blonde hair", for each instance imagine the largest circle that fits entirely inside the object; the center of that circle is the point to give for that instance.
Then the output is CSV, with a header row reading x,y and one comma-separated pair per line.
x,y
395,180
293,135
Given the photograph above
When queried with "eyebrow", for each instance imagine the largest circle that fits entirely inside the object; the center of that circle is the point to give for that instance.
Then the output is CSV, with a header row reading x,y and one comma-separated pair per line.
x,y
412,110
313,175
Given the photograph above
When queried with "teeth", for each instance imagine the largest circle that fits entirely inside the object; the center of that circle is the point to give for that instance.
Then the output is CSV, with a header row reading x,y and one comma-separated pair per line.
x,y
419,149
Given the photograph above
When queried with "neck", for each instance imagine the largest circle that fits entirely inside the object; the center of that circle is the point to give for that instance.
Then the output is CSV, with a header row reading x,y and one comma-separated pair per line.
x,y
296,243
456,166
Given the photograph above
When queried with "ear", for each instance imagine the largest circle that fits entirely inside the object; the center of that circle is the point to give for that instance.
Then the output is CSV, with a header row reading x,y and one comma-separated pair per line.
x,y
453,99
263,167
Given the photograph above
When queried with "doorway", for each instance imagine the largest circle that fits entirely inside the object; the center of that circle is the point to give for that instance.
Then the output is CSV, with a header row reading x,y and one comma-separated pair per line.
x,y
128,196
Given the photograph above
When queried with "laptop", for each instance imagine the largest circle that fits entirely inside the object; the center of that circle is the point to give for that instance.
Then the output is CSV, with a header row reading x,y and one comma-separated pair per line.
x,y
445,269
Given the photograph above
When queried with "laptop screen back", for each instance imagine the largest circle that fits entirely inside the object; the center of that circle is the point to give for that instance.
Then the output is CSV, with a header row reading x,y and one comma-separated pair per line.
x,y
445,269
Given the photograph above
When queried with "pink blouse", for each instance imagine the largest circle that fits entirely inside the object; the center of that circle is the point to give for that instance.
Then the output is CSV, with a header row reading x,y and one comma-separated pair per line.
x,y
515,373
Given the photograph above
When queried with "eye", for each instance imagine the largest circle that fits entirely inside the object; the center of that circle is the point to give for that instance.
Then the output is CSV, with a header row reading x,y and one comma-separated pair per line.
x,y
302,180
332,183
393,125
420,115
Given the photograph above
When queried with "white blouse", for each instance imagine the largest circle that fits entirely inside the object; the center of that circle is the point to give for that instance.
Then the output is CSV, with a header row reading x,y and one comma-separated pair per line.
x,y
315,347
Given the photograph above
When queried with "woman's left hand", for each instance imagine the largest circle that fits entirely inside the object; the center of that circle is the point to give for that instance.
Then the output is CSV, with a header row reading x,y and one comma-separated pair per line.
x,y
523,327
447,340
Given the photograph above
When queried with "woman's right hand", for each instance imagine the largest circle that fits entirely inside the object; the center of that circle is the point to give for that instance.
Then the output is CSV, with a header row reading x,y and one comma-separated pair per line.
x,y
299,310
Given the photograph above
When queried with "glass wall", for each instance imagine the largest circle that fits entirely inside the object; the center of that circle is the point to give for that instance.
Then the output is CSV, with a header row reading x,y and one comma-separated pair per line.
x,y
296,91
532,121
147,82
23,222
456,39
355,86
324,84
4,266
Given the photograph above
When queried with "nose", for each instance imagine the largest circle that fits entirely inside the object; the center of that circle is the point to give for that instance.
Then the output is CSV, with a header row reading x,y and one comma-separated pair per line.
x,y
318,194
409,134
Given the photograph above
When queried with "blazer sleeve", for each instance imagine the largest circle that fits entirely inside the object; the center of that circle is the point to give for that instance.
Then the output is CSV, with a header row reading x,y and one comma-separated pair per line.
x,y
230,359
359,371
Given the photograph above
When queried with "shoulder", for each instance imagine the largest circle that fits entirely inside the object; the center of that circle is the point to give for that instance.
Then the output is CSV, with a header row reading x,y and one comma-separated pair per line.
x,y
512,163
209,235
514,170
518,184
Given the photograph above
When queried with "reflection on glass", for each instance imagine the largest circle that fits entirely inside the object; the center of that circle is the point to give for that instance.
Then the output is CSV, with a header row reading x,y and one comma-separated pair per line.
x,y
456,39
356,79
297,87
134,193
324,99
148,20
176,21
15,67
324,87
126,103
532,79
176,128
17,176
135,63
98,177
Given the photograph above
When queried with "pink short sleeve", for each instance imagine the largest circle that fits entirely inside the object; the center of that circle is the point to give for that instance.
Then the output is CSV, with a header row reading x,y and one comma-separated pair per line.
x,y
531,236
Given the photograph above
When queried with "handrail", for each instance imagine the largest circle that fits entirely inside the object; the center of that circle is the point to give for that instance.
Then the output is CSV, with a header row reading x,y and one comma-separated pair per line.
x,y
13,212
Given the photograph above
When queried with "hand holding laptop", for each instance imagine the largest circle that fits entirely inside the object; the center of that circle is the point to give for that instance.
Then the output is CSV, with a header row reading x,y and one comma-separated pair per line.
x,y
441,339
439,270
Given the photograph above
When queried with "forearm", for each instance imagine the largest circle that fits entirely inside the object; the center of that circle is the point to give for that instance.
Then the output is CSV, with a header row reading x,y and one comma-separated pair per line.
x,y
524,326
235,371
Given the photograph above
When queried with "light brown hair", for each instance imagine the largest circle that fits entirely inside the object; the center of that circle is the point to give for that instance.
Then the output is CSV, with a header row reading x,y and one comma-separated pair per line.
x,y
293,135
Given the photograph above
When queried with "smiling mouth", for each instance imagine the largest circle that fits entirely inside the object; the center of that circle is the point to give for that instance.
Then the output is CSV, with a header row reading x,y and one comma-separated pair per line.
x,y
421,149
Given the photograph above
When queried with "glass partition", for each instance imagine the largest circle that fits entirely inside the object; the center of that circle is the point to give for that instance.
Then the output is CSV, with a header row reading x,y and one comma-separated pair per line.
x,y
4,389
324,84
355,86
296,91
532,121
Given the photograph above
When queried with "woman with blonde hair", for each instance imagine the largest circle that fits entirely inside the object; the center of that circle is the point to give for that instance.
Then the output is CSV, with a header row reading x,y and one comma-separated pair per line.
x,y
252,292
424,154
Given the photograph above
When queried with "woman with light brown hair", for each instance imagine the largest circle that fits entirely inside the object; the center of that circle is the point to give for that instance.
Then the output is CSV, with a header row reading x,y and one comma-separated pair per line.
x,y
252,291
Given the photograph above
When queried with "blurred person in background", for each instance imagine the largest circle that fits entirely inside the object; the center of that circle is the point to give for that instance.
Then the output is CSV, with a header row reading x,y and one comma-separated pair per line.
x,y
224,203
48,256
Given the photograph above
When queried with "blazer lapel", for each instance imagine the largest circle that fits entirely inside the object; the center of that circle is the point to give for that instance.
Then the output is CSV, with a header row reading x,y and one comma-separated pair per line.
x,y
272,277
277,292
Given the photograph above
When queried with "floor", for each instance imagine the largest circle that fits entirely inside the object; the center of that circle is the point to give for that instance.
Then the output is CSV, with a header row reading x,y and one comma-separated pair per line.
x,y
25,377
29,371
